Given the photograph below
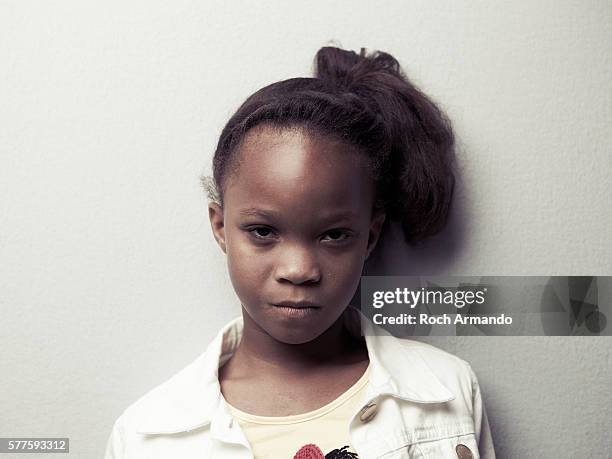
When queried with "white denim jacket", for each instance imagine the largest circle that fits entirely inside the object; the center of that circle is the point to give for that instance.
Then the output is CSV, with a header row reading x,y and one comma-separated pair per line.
x,y
421,402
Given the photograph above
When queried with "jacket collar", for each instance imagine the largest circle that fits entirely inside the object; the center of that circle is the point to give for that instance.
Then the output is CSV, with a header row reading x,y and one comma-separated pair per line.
x,y
190,399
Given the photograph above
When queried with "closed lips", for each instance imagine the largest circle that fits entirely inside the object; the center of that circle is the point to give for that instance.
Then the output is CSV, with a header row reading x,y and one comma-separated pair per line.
x,y
300,305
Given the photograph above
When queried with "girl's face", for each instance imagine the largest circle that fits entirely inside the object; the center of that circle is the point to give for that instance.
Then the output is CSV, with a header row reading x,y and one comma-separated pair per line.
x,y
297,226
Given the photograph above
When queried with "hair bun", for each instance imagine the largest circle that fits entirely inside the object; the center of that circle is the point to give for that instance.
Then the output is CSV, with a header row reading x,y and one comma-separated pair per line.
x,y
334,65
343,67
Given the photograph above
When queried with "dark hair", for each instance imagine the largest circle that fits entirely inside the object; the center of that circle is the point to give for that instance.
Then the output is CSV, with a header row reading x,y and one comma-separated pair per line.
x,y
367,101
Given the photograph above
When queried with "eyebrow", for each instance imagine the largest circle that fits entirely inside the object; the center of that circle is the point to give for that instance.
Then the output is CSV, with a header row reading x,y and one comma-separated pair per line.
x,y
255,212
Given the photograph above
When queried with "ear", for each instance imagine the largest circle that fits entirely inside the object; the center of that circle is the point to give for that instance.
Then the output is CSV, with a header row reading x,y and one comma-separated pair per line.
x,y
375,228
215,215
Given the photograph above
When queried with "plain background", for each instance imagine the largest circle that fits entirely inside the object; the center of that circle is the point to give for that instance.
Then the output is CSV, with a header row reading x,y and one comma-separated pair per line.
x,y
110,279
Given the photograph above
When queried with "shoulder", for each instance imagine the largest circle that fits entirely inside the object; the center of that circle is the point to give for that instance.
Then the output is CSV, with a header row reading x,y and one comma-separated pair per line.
x,y
188,399
425,371
419,367
181,402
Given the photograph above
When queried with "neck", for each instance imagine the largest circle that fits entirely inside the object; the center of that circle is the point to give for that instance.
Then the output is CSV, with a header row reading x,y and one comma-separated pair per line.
x,y
260,351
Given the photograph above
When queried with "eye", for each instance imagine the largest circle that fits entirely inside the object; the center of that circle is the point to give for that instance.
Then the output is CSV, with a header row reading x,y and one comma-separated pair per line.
x,y
261,232
338,235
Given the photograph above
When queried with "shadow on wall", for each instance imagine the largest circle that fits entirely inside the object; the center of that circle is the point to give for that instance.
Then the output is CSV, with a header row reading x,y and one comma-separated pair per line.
x,y
394,257
433,256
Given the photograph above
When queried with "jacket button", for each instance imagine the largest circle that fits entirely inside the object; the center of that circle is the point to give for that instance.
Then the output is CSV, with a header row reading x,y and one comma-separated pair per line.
x,y
463,452
368,412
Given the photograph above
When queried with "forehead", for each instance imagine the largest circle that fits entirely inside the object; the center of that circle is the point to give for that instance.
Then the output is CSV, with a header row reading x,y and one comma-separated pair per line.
x,y
293,171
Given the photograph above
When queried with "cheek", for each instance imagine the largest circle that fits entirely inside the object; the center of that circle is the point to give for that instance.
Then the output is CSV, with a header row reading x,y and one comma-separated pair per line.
x,y
246,268
343,274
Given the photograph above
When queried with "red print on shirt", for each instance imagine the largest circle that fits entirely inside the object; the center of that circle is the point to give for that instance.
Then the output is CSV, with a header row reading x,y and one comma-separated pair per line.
x,y
312,451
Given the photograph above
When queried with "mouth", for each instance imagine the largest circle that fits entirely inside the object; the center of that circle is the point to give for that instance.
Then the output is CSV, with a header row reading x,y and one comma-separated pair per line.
x,y
297,305
299,310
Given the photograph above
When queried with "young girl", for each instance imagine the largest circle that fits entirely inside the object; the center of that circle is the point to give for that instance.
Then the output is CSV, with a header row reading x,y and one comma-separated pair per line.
x,y
306,172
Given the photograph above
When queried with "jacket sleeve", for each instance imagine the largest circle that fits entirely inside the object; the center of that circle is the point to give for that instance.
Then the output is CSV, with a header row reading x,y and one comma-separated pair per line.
x,y
481,422
115,443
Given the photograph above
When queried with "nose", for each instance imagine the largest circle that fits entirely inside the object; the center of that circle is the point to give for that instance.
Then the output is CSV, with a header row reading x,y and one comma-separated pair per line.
x,y
298,265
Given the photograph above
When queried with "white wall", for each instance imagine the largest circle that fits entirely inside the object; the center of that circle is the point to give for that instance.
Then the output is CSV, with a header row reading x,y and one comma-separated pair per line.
x,y
110,279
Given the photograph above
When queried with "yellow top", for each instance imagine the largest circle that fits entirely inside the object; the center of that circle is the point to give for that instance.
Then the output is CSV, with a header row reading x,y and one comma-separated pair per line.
x,y
315,433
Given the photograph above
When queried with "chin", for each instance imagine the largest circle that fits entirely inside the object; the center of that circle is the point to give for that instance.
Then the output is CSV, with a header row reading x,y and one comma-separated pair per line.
x,y
288,336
